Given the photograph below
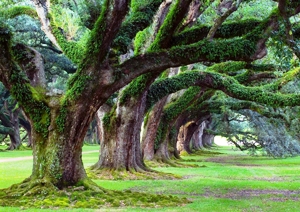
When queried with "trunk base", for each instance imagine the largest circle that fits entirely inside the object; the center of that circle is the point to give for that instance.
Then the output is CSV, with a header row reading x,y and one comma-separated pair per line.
x,y
43,194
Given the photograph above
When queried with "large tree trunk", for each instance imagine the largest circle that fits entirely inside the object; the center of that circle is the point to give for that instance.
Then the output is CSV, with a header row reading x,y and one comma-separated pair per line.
x,y
185,134
15,139
10,121
150,129
26,125
197,137
207,139
120,142
167,144
57,157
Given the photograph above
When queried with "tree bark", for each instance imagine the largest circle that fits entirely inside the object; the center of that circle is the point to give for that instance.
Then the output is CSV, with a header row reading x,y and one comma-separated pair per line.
x,y
120,143
150,129
15,139
10,121
186,134
26,125
57,158
197,137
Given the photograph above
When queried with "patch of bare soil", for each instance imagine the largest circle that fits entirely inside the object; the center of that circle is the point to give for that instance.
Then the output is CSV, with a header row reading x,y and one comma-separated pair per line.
x,y
103,174
275,195
231,160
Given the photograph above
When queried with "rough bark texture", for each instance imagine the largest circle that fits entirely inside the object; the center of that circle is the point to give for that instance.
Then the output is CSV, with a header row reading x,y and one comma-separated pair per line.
x,y
15,137
26,125
150,129
10,121
207,139
120,143
185,134
197,137
58,157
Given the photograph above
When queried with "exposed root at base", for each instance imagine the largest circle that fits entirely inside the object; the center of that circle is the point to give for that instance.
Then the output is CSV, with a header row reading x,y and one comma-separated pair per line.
x,y
106,174
42,194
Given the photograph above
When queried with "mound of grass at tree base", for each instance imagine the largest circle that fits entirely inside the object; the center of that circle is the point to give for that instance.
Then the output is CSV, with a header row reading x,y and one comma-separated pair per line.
x,y
77,197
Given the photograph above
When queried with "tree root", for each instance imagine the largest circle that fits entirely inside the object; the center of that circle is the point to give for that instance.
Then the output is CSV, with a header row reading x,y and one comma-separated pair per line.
x,y
111,174
43,194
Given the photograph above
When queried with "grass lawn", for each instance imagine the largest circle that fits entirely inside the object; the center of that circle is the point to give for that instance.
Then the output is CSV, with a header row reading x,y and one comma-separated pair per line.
x,y
232,181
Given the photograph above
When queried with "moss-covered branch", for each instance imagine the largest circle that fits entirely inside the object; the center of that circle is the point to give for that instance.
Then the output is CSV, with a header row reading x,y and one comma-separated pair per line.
x,y
140,18
19,10
219,21
15,80
227,84
105,30
174,18
71,49
226,30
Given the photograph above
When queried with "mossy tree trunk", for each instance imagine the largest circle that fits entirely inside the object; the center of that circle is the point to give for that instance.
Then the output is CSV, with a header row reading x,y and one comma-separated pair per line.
x,y
166,144
150,129
57,153
26,125
10,126
120,143
197,137
15,137
185,134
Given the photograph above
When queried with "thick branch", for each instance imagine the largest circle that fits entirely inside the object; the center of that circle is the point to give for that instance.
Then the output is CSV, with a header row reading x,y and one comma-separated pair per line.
x,y
19,10
289,40
197,7
140,18
32,63
222,18
175,16
105,30
42,9
229,86
226,30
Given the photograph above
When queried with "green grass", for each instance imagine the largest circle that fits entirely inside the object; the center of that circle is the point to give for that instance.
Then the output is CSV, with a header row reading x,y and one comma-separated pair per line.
x,y
232,181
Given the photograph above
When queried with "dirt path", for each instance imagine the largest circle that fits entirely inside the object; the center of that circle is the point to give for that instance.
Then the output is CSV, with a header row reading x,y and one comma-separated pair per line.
x,y
30,157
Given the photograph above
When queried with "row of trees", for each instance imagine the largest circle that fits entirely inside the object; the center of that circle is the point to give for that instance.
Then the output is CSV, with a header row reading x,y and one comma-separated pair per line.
x,y
166,68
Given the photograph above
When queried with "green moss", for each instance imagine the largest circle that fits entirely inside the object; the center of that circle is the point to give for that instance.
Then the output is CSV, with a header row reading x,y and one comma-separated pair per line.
x,y
61,202
15,11
61,118
68,198
109,118
227,30
216,50
140,18
140,39
32,101
174,109
163,87
72,49
135,88
169,25
94,43
227,67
